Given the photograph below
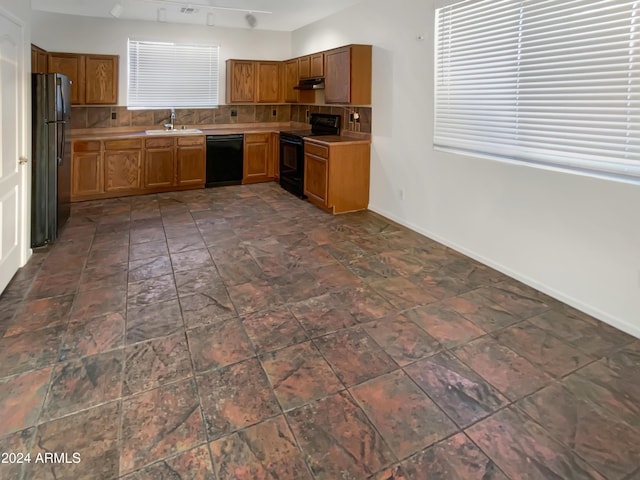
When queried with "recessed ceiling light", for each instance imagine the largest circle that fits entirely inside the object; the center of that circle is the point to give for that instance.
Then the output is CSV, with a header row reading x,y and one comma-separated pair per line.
x,y
117,10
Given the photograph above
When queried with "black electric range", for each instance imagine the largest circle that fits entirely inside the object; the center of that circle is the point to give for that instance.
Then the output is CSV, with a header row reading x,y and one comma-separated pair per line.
x,y
292,150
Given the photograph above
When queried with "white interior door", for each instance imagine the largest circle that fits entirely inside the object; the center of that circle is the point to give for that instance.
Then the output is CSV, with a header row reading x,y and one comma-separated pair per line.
x,y
12,177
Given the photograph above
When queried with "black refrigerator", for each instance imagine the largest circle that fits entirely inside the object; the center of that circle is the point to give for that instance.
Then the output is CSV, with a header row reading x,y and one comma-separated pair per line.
x,y
51,156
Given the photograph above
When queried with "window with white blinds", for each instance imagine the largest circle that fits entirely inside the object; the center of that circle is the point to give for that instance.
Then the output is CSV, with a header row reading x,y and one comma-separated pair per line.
x,y
165,75
555,82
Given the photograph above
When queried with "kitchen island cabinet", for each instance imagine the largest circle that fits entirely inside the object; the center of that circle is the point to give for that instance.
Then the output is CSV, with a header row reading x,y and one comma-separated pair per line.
x,y
336,173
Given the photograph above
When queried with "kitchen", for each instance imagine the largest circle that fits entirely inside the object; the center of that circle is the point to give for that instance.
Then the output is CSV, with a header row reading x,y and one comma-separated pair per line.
x,y
491,211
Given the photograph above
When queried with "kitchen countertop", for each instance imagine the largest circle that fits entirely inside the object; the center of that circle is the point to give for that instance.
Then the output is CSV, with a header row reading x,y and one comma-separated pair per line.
x,y
342,139
139,132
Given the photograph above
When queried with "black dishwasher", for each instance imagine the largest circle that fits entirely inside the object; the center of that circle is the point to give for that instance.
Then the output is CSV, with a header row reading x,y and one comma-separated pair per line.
x,y
224,160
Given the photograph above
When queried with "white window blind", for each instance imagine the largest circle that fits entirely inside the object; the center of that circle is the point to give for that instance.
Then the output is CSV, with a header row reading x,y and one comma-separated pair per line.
x,y
548,81
172,75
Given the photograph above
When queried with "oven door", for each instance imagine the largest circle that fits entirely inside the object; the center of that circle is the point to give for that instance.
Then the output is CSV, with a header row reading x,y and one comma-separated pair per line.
x,y
292,164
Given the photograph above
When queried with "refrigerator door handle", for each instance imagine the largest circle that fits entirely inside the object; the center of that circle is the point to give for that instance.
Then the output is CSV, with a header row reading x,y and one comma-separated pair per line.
x,y
62,142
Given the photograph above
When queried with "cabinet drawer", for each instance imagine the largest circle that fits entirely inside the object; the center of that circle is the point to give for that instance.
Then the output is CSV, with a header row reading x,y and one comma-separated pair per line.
x,y
158,142
315,149
124,144
199,140
256,137
87,146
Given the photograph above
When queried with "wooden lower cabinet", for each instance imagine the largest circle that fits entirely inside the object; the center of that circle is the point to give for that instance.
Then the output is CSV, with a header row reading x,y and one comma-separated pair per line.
x,y
336,174
87,169
190,155
316,176
258,158
159,168
122,171
135,166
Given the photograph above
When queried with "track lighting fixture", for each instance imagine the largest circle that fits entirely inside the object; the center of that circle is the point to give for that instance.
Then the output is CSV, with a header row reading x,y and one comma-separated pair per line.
x,y
251,19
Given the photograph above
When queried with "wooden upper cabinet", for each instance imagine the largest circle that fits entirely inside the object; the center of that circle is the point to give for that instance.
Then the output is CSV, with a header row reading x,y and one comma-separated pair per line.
x,y
304,67
268,82
39,60
348,75
311,66
71,65
316,62
253,81
101,79
241,81
291,79
94,77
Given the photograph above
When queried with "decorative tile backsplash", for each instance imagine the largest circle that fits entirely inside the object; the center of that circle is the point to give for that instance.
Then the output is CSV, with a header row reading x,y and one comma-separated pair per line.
x,y
103,117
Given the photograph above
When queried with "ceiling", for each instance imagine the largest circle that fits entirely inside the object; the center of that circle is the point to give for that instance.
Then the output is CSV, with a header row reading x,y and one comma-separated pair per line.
x,y
286,15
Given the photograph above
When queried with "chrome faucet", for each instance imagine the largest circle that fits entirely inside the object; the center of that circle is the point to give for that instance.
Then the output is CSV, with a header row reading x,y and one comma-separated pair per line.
x,y
171,125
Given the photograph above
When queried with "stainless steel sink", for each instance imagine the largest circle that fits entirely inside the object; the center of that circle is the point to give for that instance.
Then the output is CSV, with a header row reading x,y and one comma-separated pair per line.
x,y
177,131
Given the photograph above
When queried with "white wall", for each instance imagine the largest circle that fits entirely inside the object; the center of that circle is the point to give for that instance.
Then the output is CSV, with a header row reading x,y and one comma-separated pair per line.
x,y
574,237
77,34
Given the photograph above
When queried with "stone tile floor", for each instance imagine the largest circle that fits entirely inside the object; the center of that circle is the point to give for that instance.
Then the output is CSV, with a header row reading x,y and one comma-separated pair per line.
x,y
242,333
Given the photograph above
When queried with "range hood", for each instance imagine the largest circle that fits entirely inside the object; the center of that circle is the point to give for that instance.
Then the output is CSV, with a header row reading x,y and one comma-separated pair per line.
x,y
311,84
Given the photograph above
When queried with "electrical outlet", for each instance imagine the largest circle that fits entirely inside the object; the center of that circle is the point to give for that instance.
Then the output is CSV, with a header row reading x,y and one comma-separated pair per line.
x,y
274,112
401,193
306,113
234,112
113,115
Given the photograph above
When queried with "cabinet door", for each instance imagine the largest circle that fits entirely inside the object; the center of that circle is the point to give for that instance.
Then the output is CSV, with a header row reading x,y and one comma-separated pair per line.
x,y
304,67
317,65
86,174
315,178
38,60
291,79
101,84
257,151
43,58
159,168
274,156
268,82
71,65
122,170
337,69
191,165
241,81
